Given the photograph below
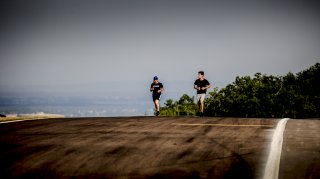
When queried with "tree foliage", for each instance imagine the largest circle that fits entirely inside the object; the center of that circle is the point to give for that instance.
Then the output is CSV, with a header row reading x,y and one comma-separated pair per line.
x,y
292,95
183,107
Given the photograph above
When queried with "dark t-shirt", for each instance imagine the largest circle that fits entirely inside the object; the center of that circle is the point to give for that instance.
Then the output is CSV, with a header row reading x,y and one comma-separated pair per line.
x,y
156,87
201,84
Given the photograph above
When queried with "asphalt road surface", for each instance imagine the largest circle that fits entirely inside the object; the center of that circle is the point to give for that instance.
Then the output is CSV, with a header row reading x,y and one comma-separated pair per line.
x,y
301,150
155,147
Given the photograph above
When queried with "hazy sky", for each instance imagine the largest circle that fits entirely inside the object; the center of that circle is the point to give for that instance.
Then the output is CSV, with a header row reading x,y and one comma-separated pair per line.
x,y
73,42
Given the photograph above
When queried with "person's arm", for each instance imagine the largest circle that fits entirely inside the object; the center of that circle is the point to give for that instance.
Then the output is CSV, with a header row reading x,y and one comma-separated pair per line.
x,y
151,88
196,86
207,87
161,89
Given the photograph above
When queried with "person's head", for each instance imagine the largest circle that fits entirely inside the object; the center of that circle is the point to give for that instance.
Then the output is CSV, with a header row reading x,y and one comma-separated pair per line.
x,y
201,74
155,79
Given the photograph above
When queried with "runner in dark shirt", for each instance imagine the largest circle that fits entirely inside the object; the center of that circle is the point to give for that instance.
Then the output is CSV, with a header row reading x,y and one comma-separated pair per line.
x,y
156,89
201,85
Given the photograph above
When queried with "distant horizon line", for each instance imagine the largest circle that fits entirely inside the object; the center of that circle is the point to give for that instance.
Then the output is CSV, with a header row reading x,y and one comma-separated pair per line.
x,y
101,82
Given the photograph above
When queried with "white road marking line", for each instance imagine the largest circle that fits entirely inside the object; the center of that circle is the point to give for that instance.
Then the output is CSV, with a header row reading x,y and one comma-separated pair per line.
x,y
273,162
223,125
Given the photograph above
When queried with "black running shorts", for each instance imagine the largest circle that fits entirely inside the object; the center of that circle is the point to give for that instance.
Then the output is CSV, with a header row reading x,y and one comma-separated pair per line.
x,y
156,96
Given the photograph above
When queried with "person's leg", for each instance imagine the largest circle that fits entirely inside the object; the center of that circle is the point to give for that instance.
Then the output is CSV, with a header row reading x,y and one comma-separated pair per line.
x,y
201,104
156,102
157,106
198,97
154,98
198,100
